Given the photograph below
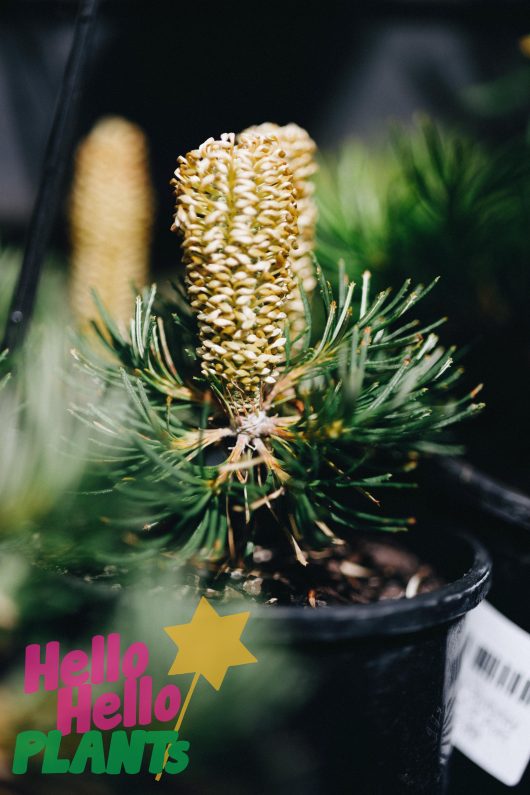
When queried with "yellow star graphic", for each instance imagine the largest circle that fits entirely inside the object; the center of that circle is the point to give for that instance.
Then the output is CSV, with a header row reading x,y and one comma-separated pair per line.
x,y
209,644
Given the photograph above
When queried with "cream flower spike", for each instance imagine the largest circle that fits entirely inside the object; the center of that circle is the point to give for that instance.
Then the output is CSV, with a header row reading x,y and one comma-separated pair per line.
x,y
236,211
111,219
300,150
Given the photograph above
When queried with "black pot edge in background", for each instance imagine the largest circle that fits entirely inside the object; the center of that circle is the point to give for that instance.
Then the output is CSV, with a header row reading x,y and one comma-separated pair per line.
x,y
499,517
487,493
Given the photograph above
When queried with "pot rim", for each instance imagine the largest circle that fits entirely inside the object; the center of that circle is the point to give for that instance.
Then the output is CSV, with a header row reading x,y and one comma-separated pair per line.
x,y
388,617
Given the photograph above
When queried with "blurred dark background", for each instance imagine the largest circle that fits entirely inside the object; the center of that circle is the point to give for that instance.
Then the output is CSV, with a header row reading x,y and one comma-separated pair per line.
x,y
185,71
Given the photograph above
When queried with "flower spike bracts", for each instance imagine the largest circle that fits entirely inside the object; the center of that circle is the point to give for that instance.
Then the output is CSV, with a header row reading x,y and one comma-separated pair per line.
x,y
299,150
236,211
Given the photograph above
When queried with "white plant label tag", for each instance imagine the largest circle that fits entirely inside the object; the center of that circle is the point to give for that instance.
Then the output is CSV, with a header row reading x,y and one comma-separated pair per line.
x,y
492,720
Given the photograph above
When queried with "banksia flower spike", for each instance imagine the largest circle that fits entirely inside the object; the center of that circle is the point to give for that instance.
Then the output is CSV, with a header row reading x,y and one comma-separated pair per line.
x,y
111,218
299,150
236,212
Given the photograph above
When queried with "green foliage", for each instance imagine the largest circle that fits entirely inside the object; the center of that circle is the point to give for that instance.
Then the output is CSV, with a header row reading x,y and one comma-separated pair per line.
x,y
35,475
34,422
353,192
346,413
445,205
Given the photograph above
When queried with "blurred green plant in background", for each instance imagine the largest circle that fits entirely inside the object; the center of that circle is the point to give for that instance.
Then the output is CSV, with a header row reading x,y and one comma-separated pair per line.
x,y
354,187
433,203
35,474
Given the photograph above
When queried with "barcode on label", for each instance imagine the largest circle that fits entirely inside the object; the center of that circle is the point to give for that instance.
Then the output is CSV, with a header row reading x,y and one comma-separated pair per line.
x,y
492,721
502,674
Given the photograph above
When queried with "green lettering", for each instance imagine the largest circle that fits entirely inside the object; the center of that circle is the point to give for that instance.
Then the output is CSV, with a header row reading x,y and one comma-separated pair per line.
x,y
126,752
28,744
90,747
177,759
51,762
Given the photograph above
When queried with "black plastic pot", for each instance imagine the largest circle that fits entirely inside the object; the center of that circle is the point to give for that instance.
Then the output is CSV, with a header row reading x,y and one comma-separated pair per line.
x,y
500,517
374,713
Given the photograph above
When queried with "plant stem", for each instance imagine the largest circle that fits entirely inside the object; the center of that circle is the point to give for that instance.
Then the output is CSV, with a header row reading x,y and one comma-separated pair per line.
x,y
49,194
